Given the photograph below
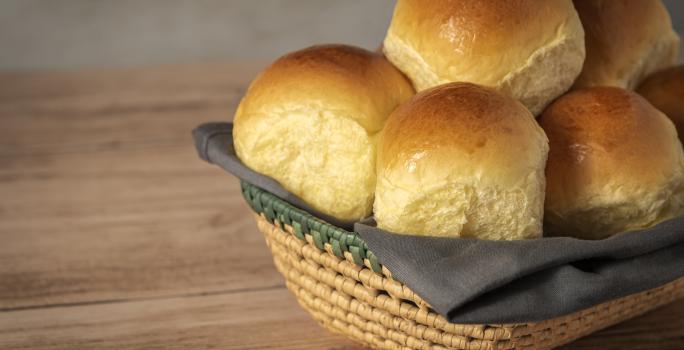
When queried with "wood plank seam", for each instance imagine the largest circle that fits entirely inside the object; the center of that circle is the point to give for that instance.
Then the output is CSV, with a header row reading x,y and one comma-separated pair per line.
x,y
127,300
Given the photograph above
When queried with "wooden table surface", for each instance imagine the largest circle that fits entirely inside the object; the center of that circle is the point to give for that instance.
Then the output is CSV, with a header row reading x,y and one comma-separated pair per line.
x,y
113,234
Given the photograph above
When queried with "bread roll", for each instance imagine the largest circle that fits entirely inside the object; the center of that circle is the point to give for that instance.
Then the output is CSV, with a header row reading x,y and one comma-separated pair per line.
x,y
626,41
530,50
615,164
310,119
665,91
461,160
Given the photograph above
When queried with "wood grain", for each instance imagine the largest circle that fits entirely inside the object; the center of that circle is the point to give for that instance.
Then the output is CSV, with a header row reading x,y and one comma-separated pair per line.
x,y
264,319
110,110
125,224
114,171
113,234
659,329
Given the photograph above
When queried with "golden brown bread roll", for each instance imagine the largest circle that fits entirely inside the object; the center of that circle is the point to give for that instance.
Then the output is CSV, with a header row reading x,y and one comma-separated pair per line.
x,y
528,49
310,119
626,40
461,160
665,91
615,164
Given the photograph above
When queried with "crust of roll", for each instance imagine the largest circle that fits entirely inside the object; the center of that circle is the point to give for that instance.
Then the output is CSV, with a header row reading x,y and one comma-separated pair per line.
x,y
530,50
310,119
626,40
615,164
461,160
665,91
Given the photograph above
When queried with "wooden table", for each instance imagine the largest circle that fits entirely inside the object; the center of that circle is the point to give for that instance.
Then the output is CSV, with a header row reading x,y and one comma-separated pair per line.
x,y
113,234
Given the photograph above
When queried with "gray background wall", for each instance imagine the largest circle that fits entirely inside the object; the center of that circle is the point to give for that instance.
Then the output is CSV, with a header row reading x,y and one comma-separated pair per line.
x,y
68,34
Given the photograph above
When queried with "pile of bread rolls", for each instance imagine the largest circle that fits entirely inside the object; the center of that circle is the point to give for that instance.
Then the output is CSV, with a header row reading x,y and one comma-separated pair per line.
x,y
495,119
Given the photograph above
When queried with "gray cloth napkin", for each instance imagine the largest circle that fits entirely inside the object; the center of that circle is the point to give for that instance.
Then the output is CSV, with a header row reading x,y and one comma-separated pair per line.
x,y
479,281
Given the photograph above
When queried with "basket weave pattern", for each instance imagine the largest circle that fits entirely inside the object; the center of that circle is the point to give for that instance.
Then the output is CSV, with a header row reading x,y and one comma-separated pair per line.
x,y
347,291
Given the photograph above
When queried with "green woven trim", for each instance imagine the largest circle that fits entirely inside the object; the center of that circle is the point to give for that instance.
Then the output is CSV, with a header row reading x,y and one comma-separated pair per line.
x,y
305,224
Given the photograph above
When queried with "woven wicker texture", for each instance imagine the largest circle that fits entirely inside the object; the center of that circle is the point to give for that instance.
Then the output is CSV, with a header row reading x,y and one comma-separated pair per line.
x,y
344,293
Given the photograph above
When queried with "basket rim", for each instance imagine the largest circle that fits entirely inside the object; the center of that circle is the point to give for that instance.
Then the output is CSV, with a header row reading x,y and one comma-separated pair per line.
x,y
278,212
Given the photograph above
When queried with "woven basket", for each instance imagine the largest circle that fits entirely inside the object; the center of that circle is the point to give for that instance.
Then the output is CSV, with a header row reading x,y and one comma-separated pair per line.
x,y
340,282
